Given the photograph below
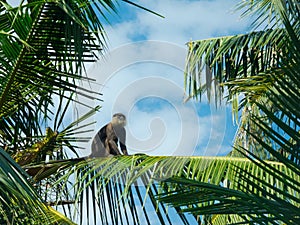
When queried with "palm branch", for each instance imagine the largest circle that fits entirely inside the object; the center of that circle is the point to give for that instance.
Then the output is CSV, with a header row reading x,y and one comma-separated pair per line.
x,y
19,202
129,185
258,200
240,65
38,65
44,46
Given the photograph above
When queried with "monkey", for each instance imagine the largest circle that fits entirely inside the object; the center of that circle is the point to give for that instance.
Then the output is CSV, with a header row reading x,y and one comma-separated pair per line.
x,y
106,141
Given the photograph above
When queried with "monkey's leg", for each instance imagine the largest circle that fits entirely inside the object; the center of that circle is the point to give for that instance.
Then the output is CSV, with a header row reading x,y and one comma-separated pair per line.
x,y
113,147
98,148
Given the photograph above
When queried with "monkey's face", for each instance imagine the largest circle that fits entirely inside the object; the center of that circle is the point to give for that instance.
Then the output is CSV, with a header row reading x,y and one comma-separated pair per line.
x,y
119,119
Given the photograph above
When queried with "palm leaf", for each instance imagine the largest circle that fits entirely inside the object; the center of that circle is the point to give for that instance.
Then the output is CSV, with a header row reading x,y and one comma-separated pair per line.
x,y
270,13
201,198
37,65
54,142
19,202
262,194
274,126
247,55
227,58
119,179
243,64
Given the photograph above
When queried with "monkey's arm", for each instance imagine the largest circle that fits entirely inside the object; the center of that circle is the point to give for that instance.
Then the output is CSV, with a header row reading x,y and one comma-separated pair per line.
x,y
111,140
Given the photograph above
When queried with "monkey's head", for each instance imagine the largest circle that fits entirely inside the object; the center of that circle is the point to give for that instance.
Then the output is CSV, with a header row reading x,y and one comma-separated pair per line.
x,y
119,119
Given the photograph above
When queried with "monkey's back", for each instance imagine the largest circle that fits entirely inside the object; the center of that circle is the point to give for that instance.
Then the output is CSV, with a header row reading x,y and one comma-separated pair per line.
x,y
98,146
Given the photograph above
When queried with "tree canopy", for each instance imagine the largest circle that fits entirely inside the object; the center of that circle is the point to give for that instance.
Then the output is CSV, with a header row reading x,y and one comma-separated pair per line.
x,y
44,46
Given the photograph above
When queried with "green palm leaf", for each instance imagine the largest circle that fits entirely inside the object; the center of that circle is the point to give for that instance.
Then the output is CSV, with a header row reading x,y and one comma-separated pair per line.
x,y
119,179
44,45
270,118
228,58
201,198
19,202
37,65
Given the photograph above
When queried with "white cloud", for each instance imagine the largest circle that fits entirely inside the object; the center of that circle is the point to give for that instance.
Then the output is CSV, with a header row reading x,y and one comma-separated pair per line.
x,y
184,20
133,71
159,131
13,2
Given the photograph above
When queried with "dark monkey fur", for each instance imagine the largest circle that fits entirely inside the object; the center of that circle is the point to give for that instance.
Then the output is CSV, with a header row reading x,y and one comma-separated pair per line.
x,y
106,141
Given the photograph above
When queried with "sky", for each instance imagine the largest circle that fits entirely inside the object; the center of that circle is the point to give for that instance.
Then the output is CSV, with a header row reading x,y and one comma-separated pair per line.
x,y
141,76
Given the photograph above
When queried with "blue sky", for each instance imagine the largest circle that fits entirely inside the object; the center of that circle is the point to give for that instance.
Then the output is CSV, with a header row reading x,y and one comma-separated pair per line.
x,y
141,75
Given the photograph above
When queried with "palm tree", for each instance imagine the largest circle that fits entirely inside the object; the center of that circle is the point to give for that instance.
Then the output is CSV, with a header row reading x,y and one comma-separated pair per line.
x,y
37,66
260,72
44,45
260,68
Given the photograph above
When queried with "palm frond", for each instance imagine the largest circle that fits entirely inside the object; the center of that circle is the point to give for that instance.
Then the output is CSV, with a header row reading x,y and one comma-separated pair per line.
x,y
58,48
141,7
273,124
120,184
263,194
201,198
53,144
243,66
43,48
243,56
225,59
270,13
19,202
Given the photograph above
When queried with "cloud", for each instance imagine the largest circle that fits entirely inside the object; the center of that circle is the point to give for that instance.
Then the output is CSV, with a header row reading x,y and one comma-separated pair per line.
x,y
141,81
142,77
13,2
156,129
184,20
138,70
